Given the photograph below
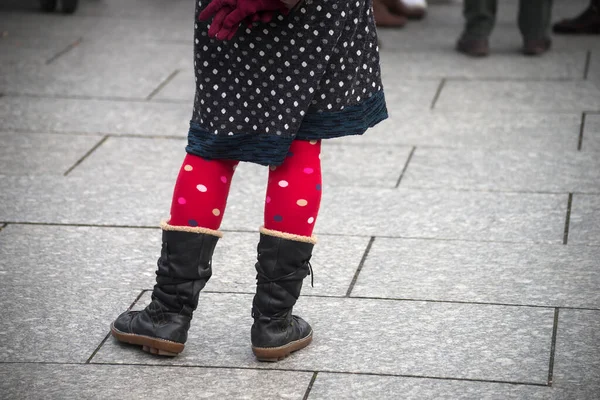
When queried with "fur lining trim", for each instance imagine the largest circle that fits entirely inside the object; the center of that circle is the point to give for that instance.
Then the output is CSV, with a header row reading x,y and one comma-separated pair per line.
x,y
288,236
193,229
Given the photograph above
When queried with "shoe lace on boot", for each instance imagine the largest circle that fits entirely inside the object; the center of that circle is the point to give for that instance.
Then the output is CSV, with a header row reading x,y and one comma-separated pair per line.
x,y
311,273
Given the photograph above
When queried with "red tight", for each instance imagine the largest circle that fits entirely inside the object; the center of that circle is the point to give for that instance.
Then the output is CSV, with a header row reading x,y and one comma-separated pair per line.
x,y
293,191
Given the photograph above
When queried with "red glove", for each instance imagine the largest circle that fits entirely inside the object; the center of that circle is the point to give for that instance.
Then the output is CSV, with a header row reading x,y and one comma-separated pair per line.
x,y
263,16
229,14
219,9
248,8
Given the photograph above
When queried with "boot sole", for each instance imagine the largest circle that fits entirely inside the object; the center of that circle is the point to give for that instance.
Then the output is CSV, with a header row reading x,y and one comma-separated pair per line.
x,y
149,344
274,354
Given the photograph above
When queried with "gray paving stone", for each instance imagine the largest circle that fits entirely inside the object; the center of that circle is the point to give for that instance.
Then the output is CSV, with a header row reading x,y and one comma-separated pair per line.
x,y
450,64
179,31
29,26
126,258
140,69
16,50
148,160
79,257
374,336
134,160
77,200
166,26
421,213
577,359
594,67
181,88
542,275
345,386
94,116
138,9
57,323
541,96
585,214
335,260
510,170
444,214
41,154
344,164
407,95
59,296
365,166
493,130
591,134
34,381
345,210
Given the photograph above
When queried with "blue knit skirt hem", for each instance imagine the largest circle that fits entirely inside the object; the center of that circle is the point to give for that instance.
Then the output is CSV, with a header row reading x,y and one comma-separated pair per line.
x,y
268,149
353,120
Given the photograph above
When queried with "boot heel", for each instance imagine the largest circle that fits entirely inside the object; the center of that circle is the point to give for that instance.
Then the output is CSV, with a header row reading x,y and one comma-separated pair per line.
x,y
160,352
274,354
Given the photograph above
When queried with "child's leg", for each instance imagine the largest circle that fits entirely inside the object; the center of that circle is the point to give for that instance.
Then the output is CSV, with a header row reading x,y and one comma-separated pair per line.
x,y
185,263
201,191
294,190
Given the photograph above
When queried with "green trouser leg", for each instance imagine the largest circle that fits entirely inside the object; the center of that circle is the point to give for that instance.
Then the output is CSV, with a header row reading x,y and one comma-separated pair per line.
x,y
480,16
534,18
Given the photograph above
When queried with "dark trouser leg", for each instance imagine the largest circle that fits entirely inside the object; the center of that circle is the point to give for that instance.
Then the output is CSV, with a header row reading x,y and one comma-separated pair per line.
x,y
480,16
534,18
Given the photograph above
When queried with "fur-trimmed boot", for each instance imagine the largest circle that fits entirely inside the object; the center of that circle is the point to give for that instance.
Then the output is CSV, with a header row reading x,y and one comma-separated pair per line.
x,y
184,267
283,262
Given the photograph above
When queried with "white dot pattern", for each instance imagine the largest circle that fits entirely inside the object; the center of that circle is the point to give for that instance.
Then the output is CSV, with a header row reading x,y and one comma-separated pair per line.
x,y
323,57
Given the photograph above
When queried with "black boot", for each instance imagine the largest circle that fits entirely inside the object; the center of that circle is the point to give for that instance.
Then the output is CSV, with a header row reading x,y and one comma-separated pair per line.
x,y
184,267
282,265
588,22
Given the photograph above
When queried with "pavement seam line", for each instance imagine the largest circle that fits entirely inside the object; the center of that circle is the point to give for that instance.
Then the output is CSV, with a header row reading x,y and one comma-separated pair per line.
x,y
86,155
139,296
310,385
64,51
438,239
93,98
410,156
586,68
438,92
509,79
360,266
581,131
272,369
568,219
553,347
398,299
163,84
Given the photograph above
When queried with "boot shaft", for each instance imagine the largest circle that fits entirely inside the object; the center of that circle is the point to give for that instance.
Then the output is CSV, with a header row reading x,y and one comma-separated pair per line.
x,y
281,266
184,268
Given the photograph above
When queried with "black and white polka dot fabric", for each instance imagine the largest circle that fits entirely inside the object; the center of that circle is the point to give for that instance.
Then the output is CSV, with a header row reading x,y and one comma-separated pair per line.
x,y
313,74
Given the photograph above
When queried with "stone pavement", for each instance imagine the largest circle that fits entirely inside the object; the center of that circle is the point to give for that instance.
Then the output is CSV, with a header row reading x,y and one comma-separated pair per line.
x,y
459,253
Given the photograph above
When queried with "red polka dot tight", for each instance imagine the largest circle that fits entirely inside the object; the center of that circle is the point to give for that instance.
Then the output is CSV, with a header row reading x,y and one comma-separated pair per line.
x,y
293,192
201,191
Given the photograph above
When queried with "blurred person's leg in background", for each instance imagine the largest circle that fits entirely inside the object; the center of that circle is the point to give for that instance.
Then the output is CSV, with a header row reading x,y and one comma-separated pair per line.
x,y
480,17
534,24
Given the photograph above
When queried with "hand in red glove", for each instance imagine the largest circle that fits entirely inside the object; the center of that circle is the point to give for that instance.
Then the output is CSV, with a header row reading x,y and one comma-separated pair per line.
x,y
263,16
218,10
248,8
229,14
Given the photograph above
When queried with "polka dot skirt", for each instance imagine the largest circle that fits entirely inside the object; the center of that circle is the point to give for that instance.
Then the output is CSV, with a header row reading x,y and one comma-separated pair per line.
x,y
313,74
